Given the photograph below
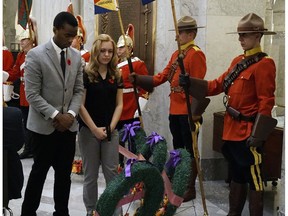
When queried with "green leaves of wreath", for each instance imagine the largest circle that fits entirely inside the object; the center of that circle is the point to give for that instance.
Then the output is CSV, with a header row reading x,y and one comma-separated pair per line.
x,y
178,169
119,187
153,146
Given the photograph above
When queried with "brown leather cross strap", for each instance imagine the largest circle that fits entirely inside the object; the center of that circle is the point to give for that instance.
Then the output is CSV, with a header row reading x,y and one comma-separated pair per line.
x,y
175,63
239,67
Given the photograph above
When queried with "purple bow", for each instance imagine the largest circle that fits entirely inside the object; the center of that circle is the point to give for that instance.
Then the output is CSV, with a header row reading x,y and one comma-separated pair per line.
x,y
129,163
174,159
153,139
129,130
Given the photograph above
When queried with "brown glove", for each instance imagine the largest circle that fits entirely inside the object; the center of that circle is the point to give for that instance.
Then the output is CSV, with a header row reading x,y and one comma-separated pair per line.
x,y
262,128
143,81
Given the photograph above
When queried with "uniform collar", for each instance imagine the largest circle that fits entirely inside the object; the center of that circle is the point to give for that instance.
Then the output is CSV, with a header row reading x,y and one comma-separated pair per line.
x,y
183,47
252,51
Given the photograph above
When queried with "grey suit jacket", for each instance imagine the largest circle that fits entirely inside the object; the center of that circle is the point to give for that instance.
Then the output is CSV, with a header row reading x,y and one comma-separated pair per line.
x,y
45,87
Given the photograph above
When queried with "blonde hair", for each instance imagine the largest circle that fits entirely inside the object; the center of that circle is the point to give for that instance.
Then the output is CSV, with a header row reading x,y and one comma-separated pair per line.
x,y
93,65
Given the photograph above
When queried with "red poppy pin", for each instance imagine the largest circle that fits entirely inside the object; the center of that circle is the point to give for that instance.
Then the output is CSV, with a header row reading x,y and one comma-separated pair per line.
x,y
111,80
68,61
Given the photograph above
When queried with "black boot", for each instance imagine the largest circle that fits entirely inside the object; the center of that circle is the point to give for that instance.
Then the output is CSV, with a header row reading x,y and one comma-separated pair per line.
x,y
237,198
27,152
190,194
256,203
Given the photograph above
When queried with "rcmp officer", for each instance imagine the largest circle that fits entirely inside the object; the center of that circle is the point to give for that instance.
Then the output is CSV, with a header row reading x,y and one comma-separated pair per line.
x,y
195,65
130,111
28,40
249,85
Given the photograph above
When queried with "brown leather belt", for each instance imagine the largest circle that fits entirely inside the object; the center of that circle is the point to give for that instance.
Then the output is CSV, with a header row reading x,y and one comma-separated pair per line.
x,y
176,89
247,118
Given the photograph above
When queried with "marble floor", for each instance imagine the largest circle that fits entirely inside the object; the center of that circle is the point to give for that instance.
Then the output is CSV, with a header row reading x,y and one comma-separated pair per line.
x,y
216,193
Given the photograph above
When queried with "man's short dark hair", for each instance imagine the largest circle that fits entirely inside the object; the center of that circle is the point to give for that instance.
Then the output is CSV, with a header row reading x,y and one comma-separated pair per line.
x,y
64,17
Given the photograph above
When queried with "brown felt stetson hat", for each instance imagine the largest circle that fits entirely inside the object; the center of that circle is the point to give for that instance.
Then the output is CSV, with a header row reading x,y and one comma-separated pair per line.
x,y
252,23
187,23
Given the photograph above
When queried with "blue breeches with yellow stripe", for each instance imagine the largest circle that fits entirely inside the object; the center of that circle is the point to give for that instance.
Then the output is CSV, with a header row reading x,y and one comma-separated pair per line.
x,y
245,163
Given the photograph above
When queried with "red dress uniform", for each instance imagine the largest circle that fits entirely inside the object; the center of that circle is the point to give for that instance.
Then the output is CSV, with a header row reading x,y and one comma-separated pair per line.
x,y
8,60
194,64
129,100
18,72
251,92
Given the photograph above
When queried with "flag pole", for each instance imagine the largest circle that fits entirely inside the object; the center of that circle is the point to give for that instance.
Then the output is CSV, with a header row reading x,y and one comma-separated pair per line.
x,y
193,126
29,23
130,65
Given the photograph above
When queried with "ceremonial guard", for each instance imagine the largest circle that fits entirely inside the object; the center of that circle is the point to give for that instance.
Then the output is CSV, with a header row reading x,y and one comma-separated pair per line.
x,y
81,37
130,111
28,40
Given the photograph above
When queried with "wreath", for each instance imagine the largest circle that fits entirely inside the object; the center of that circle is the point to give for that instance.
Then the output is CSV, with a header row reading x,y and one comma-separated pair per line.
x,y
156,147
135,135
139,171
178,169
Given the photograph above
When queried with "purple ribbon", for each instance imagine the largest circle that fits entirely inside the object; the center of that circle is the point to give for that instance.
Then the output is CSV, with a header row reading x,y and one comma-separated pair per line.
x,y
174,159
129,163
153,139
129,130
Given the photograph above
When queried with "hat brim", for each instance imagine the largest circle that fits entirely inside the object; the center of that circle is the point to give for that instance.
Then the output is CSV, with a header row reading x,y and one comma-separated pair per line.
x,y
263,32
188,28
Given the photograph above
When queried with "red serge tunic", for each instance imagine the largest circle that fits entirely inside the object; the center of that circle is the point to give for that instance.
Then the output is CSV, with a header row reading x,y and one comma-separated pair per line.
x,y
18,72
129,100
194,64
8,60
251,92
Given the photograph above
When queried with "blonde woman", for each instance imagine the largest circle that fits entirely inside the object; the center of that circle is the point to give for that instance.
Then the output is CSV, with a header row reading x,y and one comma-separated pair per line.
x,y
100,111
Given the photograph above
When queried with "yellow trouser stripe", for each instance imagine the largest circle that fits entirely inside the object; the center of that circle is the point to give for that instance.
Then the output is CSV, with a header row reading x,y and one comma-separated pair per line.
x,y
256,176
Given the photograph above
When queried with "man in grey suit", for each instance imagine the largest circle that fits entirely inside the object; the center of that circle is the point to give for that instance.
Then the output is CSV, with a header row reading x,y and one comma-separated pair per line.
x,y
54,90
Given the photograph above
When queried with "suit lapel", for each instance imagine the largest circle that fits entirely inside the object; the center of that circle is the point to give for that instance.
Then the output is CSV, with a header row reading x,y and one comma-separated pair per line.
x,y
54,58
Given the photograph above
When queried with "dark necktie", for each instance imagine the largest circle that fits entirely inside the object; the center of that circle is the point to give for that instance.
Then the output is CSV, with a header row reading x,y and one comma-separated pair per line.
x,y
63,63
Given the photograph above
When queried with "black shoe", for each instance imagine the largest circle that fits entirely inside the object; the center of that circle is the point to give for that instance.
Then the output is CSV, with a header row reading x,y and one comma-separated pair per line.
x,y
25,154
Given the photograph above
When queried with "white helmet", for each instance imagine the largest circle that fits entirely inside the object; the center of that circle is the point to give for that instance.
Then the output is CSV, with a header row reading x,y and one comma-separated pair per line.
x,y
121,41
129,36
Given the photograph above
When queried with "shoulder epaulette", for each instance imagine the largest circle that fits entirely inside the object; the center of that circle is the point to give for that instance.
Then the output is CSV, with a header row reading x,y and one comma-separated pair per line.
x,y
196,48
268,57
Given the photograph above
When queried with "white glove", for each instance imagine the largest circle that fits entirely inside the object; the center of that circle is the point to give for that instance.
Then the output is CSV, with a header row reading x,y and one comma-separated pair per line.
x,y
142,103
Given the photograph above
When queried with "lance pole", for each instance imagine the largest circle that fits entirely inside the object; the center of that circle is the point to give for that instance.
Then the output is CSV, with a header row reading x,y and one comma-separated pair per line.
x,y
193,127
28,22
130,65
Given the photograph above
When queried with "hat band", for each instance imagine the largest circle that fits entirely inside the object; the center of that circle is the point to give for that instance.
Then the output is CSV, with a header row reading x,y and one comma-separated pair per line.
x,y
187,27
252,29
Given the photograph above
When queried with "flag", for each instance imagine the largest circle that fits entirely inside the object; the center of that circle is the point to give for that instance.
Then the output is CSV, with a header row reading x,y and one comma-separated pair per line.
x,y
24,8
144,2
104,6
